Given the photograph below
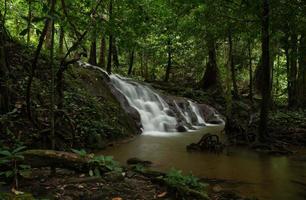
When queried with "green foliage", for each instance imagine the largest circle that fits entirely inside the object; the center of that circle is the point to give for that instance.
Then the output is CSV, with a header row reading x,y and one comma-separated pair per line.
x,y
81,152
89,115
12,161
175,178
98,163
103,161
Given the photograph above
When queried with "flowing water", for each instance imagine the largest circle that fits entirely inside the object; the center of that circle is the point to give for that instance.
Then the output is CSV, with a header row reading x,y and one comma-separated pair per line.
x,y
266,177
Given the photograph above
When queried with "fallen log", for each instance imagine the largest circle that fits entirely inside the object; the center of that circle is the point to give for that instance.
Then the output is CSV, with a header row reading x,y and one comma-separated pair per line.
x,y
59,159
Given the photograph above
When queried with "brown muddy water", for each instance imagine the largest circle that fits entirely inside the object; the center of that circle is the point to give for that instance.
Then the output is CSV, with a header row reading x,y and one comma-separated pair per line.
x,y
251,174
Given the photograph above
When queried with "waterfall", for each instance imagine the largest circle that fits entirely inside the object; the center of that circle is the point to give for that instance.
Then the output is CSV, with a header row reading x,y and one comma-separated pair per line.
x,y
157,115
151,107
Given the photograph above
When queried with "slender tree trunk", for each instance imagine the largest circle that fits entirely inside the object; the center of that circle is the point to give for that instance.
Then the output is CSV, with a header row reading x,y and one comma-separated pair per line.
x,y
93,52
288,67
61,41
293,72
4,70
33,69
210,78
250,73
110,46
115,54
232,65
109,57
141,63
131,61
302,71
266,91
169,64
102,52
277,74
145,59
228,83
52,110
29,22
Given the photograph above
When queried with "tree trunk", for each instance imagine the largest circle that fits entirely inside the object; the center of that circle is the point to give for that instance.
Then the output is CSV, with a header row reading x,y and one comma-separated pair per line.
x,y
169,64
210,78
52,107
228,91
102,52
302,72
65,160
29,22
286,47
145,60
110,46
266,91
4,71
141,63
61,42
292,101
115,55
93,52
232,65
131,61
250,73
34,66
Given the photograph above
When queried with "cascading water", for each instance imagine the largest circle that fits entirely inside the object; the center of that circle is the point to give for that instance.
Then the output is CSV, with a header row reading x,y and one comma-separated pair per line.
x,y
156,114
151,107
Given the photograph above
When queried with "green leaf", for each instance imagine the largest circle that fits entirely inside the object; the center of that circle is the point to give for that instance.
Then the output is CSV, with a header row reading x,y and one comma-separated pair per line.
x,y
8,173
24,166
97,172
5,153
19,149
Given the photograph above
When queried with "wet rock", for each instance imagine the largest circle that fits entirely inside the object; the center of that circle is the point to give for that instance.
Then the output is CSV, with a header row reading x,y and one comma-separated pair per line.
x,y
181,128
136,161
170,113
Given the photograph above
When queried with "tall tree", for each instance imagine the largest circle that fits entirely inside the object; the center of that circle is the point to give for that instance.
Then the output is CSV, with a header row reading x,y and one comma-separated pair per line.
x,y
232,64
93,52
169,63
102,52
131,61
210,78
110,43
4,69
52,91
266,91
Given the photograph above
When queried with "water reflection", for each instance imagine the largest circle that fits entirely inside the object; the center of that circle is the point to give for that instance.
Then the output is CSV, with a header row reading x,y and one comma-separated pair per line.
x,y
258,175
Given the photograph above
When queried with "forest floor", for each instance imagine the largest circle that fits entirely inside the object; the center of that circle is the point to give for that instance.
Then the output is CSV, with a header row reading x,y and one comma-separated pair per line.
x,y
128,185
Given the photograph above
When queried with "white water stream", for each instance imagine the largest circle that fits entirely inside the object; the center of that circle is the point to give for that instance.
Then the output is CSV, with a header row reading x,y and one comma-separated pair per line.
x,y
157,117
